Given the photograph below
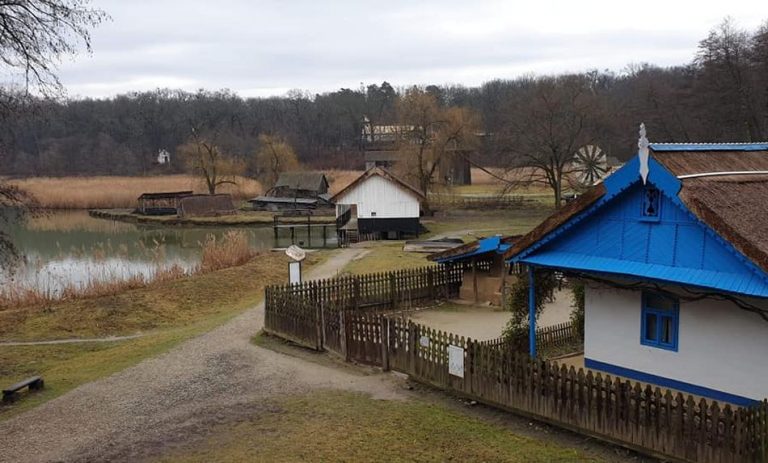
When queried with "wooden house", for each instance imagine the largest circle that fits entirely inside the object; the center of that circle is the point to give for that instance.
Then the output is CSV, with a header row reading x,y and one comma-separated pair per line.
x,y
673,251
378,205
295,190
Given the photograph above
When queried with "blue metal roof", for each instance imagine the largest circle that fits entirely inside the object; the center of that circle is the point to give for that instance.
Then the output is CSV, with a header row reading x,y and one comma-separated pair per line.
x,y
736,283
485,245
612,237
709,146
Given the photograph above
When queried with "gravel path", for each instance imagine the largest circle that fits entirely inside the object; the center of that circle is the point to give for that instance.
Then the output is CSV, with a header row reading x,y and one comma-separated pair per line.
x,y
166,399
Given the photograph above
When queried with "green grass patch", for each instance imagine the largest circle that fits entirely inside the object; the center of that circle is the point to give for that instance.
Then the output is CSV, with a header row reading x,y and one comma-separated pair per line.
x,y
347,427
471,224
385,256
169,312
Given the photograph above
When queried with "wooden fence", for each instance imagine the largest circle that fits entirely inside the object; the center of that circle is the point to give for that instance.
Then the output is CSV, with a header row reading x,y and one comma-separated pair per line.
x,y
646,419
353,316
315,314
564,334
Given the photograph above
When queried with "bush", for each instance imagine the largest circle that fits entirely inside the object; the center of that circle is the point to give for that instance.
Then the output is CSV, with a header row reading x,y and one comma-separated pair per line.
x,y
516,301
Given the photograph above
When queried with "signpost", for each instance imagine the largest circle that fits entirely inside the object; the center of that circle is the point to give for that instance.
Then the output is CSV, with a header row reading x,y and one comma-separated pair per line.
x,y
294,268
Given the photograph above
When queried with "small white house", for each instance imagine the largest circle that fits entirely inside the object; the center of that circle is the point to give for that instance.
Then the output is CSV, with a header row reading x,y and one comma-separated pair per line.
x,y
378,204
673,251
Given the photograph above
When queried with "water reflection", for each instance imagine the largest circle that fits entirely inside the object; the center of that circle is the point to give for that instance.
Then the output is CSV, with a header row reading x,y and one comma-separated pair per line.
x,y
65,248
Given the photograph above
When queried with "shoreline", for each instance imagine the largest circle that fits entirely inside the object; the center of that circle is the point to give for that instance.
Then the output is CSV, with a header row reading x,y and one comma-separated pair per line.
x,y
241,218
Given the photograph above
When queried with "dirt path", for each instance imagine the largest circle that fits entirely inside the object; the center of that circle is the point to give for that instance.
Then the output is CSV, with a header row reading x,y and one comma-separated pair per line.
x,y
167,398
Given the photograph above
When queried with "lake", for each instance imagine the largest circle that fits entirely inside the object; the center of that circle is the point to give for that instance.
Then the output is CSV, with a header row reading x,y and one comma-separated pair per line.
x,y
70,247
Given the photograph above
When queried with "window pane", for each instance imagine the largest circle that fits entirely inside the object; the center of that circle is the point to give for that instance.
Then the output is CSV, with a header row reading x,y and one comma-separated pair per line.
x,y
650,327
667,330
659,302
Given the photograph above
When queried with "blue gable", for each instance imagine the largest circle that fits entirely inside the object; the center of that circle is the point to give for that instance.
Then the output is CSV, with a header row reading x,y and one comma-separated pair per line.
x,y
613,237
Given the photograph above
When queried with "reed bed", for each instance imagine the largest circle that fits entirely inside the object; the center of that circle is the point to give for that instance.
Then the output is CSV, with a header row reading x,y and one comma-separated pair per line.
x,y
231,250
119,192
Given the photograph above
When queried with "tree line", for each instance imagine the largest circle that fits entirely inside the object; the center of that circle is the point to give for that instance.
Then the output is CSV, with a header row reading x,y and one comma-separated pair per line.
x,y
720,95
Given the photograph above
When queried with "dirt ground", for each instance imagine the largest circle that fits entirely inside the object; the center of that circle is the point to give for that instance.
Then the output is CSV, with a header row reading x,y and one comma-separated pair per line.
x,y
487,322
218,378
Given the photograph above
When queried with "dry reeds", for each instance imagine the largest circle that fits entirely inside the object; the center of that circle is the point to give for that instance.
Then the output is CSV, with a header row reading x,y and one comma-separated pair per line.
x,y
230,251
118,192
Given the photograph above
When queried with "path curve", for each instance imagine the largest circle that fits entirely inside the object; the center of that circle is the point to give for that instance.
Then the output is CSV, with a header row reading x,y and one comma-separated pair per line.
x,y
163,400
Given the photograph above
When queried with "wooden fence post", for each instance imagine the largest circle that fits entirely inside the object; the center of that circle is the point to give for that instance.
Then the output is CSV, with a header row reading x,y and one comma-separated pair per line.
x,y
393,290
356,293
320,326
384,343
343,333
431,284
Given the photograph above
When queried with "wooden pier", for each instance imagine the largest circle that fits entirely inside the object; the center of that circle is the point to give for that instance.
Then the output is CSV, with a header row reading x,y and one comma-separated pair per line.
x,y
307,225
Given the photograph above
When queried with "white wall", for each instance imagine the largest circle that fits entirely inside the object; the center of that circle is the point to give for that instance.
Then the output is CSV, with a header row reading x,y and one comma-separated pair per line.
x,y
720,346
385,198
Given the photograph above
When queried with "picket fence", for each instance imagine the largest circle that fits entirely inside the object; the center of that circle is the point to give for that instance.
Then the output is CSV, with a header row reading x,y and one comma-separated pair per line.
x,y
357,318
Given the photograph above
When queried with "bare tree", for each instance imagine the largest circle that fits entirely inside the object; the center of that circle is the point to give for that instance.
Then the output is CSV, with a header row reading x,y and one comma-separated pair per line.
x,y
274,157
548,123
207,160
34,35
431,135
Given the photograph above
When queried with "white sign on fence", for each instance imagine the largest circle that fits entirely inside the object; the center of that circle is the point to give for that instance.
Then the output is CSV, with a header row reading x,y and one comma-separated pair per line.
x,y
294,272
456,361
424,341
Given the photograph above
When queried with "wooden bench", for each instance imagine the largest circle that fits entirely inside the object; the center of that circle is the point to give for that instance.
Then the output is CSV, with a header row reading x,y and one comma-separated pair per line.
x,y
34,383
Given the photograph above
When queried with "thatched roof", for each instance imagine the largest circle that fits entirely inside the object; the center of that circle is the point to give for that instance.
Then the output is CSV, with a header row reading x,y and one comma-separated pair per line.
x,y
381,172
310,181
735,206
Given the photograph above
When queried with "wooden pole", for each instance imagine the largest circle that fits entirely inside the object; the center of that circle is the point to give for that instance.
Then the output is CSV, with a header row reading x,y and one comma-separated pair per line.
x,y
309,232
531,312
474,279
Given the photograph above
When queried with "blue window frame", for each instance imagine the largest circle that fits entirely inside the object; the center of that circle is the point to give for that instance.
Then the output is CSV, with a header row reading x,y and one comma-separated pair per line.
x,y
660,320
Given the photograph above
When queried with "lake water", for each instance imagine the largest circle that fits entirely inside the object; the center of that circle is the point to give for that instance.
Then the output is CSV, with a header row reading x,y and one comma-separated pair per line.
x,y
63,248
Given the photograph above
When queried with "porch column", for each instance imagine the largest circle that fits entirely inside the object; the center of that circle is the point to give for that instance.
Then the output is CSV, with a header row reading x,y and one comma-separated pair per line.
x,y
531,312
474,278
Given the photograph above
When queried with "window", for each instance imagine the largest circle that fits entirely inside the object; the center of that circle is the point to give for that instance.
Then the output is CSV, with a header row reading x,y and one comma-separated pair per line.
x,y
659,323
651,203
373,214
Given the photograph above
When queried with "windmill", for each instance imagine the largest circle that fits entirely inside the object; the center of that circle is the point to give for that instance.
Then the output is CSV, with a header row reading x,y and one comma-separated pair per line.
x,y
590,165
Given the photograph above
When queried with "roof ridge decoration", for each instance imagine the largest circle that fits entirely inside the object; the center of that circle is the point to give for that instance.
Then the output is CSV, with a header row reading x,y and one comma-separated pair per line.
x,y
644,153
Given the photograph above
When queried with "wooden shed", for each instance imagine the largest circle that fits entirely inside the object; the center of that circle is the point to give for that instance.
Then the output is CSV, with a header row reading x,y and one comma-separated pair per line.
x,y
161,203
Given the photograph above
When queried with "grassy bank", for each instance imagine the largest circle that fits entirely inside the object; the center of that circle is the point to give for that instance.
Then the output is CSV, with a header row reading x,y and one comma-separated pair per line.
x,y
114,192
167,312
337,426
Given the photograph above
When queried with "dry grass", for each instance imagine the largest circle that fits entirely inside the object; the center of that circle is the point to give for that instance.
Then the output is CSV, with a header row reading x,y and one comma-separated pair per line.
x,y
118,192
229,251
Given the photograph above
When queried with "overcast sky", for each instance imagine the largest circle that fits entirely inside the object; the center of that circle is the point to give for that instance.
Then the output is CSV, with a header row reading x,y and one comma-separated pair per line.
x,y
262,48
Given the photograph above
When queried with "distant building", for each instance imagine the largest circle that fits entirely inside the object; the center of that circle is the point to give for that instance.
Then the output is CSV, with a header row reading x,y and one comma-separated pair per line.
x,y
378,205
163,157
295,190
381,144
